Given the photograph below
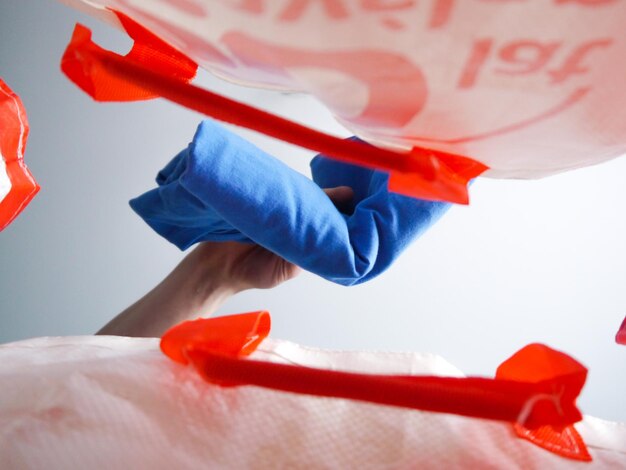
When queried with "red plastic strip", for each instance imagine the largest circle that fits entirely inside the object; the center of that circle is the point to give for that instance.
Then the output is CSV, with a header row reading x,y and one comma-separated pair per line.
x,y
106,76
13,137
536,387
496,399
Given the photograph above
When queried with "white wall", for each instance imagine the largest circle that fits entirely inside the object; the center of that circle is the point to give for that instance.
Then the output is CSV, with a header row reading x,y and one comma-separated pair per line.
x,y
527,261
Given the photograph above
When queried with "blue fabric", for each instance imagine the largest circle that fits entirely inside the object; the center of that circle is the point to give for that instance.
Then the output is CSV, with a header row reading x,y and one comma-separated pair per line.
x,y
223,188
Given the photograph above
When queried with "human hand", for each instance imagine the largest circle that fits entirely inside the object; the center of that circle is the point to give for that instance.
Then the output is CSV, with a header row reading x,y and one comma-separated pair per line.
x,y
206,278
222,188
244,266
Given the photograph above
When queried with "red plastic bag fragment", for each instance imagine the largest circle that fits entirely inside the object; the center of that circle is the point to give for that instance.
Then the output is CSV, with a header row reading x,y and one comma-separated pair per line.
x,y
620,337
17,185
80,62
537,362
451,168
566,442
232,335
106,76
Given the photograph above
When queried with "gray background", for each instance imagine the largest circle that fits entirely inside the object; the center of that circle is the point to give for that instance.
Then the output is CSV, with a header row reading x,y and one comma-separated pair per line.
x,y
527,261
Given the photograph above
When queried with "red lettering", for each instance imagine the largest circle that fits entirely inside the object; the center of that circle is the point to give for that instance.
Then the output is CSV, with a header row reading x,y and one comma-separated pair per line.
x,y
586,3
528,56
188,6
393,23
478,56
294,10
397,88
256,7
573,65
386,5
441,12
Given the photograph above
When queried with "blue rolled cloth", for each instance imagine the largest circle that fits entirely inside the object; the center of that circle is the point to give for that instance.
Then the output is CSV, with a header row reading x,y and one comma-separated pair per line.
x,y
223,188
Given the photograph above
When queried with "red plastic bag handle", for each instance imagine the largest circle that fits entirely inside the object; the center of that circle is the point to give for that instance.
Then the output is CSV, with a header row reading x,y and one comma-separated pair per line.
x,y
106,76
536,388
503,400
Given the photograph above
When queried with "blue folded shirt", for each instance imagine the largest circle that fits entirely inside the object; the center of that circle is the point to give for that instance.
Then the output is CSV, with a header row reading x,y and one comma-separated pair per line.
x,y
223,188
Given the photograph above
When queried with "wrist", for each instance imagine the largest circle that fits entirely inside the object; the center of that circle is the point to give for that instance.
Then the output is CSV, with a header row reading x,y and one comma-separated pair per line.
x,y
221,267
195,288
203,278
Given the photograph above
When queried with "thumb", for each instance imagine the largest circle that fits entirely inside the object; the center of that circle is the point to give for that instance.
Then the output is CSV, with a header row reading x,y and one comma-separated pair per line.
x,y
342,197
340,194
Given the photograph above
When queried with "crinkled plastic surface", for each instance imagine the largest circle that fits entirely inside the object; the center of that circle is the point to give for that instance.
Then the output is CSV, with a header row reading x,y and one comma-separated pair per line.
x,y
112,402
224,188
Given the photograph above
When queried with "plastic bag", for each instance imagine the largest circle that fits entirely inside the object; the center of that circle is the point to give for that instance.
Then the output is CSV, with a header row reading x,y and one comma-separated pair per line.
x,y
154,69
527,88
113,402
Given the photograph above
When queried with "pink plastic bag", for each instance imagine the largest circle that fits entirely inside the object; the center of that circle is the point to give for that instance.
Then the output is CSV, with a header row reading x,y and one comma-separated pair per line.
x,y
112,402
529,88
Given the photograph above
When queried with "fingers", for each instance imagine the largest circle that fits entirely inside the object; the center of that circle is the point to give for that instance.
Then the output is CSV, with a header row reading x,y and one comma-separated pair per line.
x,y
341,197
340,194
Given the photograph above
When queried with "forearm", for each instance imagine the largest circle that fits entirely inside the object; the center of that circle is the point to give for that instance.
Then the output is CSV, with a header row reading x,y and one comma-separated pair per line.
x,y
196,287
